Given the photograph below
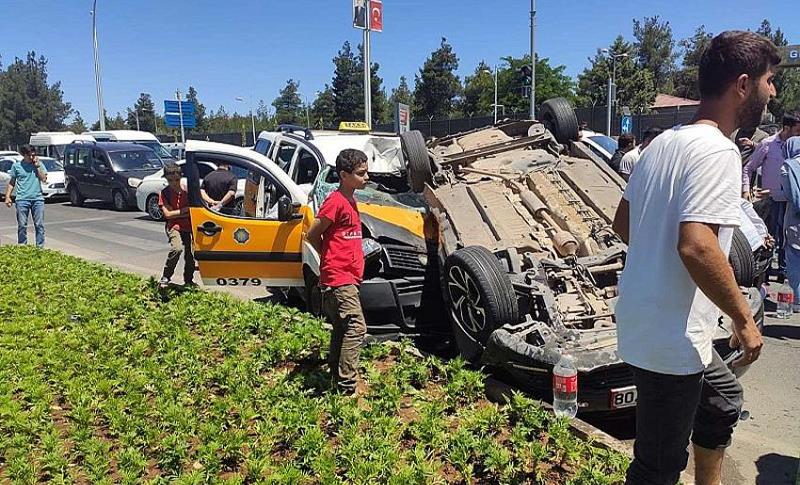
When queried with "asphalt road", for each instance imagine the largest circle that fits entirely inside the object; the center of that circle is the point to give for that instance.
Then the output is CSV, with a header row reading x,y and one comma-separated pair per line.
x,y
766,444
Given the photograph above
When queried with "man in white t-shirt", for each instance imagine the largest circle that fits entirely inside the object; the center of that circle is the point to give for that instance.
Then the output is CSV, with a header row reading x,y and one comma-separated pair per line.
x,y
630,159
678,214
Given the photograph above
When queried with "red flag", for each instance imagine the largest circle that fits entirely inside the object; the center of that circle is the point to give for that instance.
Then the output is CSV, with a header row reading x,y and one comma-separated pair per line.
x,y
376,15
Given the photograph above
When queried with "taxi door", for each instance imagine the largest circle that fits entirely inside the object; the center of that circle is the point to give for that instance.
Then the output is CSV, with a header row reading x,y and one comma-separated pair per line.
x,y
261,245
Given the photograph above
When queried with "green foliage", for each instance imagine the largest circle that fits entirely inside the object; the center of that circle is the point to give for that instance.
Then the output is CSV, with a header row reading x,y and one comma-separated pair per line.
x,y
437,87
655,49
401,94
347,86
102,381
77,125
199,108
323,110
144,111
28,102
288,105
686,78
787,81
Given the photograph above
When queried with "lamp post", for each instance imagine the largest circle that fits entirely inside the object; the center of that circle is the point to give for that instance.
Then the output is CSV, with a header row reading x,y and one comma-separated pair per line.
x,y
612,85
252,118
101,110
533,59
308,118
495,91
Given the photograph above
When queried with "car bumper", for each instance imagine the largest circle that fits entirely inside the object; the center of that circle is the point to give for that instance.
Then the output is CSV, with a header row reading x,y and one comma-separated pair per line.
x,y
391,305
54,192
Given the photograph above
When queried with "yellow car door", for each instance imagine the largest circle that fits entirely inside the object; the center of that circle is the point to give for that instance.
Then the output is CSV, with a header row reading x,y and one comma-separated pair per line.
x,y
262,244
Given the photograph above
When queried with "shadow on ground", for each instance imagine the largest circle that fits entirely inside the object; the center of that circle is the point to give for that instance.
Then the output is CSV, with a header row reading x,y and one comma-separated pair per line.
x,y
775,469
782,332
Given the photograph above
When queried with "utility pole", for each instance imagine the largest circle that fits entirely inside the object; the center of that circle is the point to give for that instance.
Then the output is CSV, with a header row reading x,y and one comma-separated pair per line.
x,y
367,73
495,94
533,60
180,113
98,84
612,85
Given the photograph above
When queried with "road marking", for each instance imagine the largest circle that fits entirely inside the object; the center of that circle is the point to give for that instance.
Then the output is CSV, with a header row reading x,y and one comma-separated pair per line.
x,y
133,242
151,226
48,223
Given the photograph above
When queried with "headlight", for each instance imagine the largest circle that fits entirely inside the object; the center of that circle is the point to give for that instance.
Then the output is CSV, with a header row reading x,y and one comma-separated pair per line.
x,y
371,248
134,182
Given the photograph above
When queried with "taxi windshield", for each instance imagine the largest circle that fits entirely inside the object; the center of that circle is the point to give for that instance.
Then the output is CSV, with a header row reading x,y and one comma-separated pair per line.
x,y
376,192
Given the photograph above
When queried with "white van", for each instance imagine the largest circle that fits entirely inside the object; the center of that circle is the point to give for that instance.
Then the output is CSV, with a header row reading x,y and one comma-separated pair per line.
x,y
52,143
132,136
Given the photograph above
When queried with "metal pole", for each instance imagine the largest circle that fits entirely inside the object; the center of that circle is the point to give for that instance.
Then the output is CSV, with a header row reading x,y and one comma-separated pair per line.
x,y
495,94
367,71
136,113
253,120
180,113
100,108
533,59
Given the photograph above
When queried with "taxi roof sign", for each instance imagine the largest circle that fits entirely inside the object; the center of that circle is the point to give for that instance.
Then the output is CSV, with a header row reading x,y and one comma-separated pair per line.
x,y
353,126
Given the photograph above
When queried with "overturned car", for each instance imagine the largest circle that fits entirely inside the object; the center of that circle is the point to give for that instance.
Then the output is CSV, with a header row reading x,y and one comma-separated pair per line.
x,y
528,262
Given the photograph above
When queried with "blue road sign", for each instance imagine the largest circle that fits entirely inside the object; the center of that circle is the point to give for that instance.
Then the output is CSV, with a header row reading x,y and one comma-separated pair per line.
x,y
627,124
173,112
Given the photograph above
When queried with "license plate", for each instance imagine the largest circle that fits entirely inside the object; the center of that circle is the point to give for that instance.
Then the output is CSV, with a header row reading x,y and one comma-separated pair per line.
x,y
623,397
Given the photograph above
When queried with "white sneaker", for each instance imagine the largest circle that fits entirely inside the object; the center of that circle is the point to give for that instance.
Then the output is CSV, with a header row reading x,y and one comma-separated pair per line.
x,y
163,283
796,308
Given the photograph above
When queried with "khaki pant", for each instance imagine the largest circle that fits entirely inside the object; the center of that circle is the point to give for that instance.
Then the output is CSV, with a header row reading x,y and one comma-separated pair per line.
x,y
180,243
343,309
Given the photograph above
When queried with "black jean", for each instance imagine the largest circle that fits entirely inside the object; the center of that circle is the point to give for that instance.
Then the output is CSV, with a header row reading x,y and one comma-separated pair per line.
x,y
671,408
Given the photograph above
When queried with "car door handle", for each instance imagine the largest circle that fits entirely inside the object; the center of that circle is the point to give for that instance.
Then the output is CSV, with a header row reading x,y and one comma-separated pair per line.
x,y
209,228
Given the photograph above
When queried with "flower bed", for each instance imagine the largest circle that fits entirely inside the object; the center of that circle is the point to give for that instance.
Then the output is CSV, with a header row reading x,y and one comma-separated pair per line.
x,y
101,381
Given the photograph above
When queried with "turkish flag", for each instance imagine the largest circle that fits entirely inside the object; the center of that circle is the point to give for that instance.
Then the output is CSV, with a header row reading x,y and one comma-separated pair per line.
x,y
376,15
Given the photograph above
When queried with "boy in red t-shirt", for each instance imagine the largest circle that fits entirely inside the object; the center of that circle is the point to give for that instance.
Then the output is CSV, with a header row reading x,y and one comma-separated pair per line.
x,y
336,235
174,203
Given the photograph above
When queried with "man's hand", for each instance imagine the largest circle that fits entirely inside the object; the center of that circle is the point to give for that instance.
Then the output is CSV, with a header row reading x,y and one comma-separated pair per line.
x,y
746,195
8,203
748,336
747,142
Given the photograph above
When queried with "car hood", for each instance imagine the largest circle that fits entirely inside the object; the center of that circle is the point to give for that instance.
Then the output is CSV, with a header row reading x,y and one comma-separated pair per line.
x,y
402,226
138,174
56,177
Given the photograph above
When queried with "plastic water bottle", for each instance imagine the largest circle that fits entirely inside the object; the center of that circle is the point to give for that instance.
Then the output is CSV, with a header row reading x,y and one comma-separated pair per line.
x,y
565,388
785,300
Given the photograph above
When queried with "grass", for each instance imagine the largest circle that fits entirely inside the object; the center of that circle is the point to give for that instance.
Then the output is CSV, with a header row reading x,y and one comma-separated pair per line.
x,y
102,381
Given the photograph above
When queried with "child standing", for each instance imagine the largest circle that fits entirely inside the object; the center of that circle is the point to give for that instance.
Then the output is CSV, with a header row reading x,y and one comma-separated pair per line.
x,y
174,203
336,235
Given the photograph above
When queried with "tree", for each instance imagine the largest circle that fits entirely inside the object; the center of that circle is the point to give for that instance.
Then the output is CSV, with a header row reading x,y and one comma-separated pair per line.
x,y
77,125
437,87
288,105
323,110
478,91
787,81
28,103
655,49
635,86
199,109
347,86
686,78
401,94
379,101
144,110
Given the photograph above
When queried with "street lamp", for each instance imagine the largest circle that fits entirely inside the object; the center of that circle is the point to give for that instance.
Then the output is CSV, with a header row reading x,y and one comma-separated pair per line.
x,y
252,118
98,86
495,91
308,119
612,85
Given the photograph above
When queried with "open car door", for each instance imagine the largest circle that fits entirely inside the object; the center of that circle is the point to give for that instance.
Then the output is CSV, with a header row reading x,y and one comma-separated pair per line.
x,y
261,244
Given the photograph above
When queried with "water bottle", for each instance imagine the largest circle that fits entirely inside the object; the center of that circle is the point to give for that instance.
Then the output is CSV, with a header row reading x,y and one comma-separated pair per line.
x,y
785,300
565,388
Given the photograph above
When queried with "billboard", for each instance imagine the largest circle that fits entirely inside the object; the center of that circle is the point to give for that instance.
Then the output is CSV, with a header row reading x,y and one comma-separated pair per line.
x,y
368,11
376,15
402,118
360,14
790,56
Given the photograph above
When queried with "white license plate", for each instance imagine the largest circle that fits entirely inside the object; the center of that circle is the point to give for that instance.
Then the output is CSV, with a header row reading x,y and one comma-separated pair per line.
x,y
623,397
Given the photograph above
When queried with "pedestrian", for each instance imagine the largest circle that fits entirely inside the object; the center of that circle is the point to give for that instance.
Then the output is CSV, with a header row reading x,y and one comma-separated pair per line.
x,y
678,215
27,177
625,143
336,236
219,189
769,156
174,203
790,174
630,159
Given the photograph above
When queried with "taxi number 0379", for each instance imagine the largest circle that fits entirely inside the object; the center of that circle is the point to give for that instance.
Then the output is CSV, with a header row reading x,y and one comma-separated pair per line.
x,y
238,282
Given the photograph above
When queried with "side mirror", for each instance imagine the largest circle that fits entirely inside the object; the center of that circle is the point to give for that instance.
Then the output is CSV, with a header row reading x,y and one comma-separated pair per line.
x,y
101,168
287,210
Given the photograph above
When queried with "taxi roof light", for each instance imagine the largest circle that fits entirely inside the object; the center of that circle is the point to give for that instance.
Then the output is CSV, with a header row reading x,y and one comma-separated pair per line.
x,y
356,126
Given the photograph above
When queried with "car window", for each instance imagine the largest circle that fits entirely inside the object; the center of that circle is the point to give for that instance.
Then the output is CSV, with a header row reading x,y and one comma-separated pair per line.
x,y
240,172
69,156
203,168
608,143
262,146
5,165
127,160
52,165
84,157
307,168
285,155
41,151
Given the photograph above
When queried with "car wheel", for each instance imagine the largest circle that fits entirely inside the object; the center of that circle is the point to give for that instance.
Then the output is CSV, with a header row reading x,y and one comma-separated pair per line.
x,y
153,209
559,118
75,197
480,298
313,295
238,206
118,199
741,259
419,164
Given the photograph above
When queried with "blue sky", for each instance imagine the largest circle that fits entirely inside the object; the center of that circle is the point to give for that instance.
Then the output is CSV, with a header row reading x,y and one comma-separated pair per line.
x,y
250,48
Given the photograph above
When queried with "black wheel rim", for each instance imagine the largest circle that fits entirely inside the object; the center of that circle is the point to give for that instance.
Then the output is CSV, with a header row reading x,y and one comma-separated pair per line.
x,y
153,209
119,203
466,305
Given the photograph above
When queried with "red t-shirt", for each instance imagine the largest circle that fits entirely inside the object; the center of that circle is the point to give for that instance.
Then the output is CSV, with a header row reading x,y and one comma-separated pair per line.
x,y
176,199
342,259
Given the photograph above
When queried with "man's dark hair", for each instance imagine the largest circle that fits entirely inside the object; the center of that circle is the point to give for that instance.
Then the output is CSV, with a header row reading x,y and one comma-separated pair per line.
x,y
651,133
626,140
349,160
27,149
791,118
732,54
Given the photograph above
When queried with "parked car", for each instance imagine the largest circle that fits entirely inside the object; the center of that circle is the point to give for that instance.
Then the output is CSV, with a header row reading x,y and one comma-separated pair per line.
x,y
9,153
175,149
133,136
109,171
602,145
53,188
53,143
152,185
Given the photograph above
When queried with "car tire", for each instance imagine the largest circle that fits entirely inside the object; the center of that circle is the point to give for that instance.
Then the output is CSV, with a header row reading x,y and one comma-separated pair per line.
x,y
741,259
118,200
418,161
238,207
559,118
153,209
480,298
313,294
75,197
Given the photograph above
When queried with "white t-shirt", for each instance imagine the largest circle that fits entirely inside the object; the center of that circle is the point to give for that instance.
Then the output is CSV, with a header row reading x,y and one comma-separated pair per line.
x,y
687,174
629,160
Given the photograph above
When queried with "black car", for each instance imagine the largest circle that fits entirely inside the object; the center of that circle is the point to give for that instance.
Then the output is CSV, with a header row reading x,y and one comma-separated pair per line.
x,y
109,171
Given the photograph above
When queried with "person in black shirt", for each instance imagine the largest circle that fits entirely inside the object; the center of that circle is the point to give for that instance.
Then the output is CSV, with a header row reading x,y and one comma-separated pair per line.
x,y
219,189
625,143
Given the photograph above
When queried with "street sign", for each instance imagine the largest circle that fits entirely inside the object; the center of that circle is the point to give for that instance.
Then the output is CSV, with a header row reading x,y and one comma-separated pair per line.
x,y
402,118
360,14
376,15
627,124
790,56
173,112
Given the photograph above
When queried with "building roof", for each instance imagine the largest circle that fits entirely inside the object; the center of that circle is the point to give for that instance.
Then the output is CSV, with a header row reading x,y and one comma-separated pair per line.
x,y
667,101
